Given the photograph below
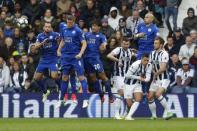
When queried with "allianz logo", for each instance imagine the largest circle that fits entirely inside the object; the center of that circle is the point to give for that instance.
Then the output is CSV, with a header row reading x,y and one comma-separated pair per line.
x,y
96,109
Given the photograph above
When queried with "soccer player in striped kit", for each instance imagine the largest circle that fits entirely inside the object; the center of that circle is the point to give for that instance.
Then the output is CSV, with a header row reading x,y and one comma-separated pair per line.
x,y
159,58
123,57
139,71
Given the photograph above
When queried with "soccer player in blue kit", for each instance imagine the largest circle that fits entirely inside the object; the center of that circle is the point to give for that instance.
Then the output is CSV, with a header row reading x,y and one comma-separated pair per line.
x,y
72,77
146,35
71,49
47,42
96,42
147,32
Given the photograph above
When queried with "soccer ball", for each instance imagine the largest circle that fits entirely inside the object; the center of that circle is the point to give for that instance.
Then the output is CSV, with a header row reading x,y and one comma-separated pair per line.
x,y
22,22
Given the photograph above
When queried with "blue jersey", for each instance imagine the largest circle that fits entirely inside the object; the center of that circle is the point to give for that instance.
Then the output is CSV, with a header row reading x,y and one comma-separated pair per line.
x,y
72,38
94,41
48,50
147,43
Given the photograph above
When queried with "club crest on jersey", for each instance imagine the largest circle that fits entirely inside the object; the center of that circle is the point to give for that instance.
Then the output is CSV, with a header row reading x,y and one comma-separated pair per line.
x,y
51,37
73,32
149,29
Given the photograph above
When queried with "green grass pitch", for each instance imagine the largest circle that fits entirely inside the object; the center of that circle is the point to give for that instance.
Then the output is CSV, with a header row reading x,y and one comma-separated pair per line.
x,y
86,124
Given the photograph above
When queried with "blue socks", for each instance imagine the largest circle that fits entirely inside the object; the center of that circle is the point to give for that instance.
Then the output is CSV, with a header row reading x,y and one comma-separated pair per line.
x,y
73,83
85,88
42,85
108,87
97,87
58,82
64,87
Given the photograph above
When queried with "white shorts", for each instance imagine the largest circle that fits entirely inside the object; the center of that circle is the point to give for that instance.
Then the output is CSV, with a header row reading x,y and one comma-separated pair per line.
x,y
159,84
130,89
118,83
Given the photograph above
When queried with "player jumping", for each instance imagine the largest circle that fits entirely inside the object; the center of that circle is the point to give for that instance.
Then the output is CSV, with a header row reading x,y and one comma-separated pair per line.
x,y
71,49
47,42
96,42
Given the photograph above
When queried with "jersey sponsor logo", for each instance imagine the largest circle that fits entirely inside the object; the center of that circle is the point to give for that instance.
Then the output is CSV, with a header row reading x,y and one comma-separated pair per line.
x,y
48,45
91,41
68,39
149,29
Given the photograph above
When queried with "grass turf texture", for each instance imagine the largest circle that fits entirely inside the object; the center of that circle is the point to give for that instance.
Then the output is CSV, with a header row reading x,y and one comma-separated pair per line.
x,y
23,124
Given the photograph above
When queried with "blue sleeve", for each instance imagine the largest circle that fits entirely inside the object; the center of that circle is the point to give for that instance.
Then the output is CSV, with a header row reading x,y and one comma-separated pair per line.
x,y
57,35
156,31
61,26
38,39
103,39
138,28
85,35
80,35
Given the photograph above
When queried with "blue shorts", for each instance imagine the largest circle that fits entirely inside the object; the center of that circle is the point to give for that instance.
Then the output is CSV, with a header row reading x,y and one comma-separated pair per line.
x,y
43,67
70,63
93,65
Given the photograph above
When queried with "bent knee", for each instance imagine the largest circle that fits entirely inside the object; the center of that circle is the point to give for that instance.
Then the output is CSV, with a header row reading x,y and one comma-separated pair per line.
x,y
65,78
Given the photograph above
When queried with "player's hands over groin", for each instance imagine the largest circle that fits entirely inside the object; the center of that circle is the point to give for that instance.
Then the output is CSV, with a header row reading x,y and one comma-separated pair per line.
x,y
78,56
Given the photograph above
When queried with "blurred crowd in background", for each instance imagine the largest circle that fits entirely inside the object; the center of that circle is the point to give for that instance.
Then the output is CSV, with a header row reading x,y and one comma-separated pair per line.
x,y
119,18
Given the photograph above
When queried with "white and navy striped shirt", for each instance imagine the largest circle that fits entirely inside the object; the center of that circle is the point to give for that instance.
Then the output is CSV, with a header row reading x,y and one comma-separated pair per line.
x,y
126,57
156,58
136,71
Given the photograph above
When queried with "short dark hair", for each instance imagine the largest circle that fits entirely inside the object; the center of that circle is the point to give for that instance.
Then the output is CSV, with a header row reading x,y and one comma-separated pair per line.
x,y
160,39
46,22
96,22
169,36
125,39
145,55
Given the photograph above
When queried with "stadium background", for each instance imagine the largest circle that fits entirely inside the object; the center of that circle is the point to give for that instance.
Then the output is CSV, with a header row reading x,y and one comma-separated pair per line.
x,y
14,105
